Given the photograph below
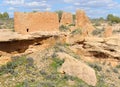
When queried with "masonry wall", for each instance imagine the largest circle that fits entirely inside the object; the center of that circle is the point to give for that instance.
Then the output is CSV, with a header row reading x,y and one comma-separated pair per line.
x,y
83,22
66,19
39,21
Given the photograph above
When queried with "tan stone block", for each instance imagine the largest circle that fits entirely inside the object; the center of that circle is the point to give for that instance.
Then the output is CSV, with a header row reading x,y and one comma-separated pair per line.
x,y
66,19
32,22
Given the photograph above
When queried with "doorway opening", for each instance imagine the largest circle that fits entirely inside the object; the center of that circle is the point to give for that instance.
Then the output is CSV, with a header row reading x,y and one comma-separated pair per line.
x,y
27,29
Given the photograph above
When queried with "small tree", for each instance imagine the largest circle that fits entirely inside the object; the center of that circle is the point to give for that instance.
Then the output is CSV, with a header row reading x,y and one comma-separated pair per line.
x,y
5,15
113,19
1,16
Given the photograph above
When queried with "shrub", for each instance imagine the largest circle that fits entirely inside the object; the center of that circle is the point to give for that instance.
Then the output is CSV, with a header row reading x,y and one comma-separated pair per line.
x,y
71,25
64,28
101,81
115,70
96,67
0,27
68,77
97,24
76,31
57,62
43,72
30,62
20,85
46,84
26,83
118,66
98,31
118,77
10,66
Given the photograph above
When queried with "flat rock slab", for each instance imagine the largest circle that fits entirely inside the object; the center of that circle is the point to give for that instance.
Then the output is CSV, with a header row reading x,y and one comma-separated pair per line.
x,y
74,67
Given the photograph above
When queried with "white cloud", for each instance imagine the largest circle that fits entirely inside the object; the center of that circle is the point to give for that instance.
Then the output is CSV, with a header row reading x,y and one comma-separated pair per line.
x,y
11,8
14,2
48,9
68,1
92,7
32,4
76,3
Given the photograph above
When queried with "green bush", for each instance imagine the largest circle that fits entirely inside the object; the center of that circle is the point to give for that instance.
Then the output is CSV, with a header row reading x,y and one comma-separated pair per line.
x,y
30,62
113,19
118,66
64,28
71,25
98,31
20,85
115,70
96,67
5,15
57,62
10,66
76,31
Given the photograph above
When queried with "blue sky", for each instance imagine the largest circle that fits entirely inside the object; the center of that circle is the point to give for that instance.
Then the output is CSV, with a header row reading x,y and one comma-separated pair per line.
x,y
93,8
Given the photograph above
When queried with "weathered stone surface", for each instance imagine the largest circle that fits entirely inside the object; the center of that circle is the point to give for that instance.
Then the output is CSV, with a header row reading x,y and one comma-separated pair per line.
x,y
4,60
74,67
108,31
66,19
72,39
39,21
83,22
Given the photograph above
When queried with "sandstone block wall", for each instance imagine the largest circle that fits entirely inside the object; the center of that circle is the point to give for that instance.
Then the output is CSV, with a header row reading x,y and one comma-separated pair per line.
x,y
66,19
83,22
39,21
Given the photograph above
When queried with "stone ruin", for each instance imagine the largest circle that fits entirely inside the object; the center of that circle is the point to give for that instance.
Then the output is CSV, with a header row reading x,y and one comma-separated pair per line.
x,y
83,22
38,21
66,19
108,31
48,21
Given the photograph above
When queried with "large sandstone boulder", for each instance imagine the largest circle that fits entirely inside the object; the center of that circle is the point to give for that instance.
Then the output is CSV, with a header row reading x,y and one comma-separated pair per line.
x,y
74,67
83,22
108,31
66,19
38,21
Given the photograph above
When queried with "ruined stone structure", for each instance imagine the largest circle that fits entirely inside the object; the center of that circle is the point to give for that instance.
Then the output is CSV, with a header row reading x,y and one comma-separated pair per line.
x,y
66,19
39,21
48,21
108,31
83,22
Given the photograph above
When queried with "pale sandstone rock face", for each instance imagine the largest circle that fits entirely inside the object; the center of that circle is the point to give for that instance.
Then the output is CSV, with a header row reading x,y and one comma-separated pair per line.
x,y
74,67
108,31
39,21
83,22
66,19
